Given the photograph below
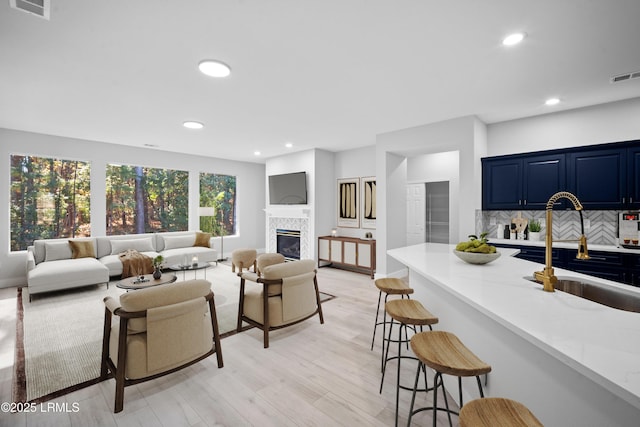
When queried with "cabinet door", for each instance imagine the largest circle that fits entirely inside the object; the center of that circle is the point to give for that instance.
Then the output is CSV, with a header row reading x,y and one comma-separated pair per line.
x,y
323,249
336,251
501,184
598,178
350,251
543,177
364,255
633,178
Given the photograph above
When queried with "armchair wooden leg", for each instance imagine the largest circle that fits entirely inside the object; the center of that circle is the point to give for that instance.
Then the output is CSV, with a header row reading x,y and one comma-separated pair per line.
x,y
121,366
265,317
216,331
106,335
315,284
240,306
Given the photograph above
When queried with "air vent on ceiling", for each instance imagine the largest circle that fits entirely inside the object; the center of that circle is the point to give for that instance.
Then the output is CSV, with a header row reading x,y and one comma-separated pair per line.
x,y
39,8
627,76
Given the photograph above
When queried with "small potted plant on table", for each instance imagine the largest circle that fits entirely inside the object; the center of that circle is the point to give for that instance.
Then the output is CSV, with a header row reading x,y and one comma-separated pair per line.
x,y
157,266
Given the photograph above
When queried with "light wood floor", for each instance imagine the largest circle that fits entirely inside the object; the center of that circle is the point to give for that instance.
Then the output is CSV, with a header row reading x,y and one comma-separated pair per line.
x,y
312,375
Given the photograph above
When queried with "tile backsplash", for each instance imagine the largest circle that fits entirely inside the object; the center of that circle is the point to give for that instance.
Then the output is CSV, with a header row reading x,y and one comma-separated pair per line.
x,y
600,226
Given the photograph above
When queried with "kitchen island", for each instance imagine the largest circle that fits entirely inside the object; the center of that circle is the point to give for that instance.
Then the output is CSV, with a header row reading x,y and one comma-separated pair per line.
x,y
570,360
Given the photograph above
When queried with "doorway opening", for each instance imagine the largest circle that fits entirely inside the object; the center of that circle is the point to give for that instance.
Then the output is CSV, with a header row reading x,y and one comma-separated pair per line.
x,y
428,212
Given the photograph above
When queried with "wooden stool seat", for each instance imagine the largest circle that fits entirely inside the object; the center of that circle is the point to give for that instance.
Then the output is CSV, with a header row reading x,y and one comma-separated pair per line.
x,y
409,312
393,286
443,352
496,411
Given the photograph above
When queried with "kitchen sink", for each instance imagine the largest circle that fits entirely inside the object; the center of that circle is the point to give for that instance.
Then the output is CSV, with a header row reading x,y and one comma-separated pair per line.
x,y
611,297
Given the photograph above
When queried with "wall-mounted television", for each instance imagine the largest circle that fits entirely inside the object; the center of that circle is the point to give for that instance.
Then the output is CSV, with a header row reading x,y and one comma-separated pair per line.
x,y
288,189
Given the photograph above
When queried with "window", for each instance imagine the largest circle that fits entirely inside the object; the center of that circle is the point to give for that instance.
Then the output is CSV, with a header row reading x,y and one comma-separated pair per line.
x,y
218,192
50,198
146,200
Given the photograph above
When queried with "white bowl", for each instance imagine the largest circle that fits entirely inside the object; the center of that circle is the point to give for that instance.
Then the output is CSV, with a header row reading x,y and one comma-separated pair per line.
x,y
476,258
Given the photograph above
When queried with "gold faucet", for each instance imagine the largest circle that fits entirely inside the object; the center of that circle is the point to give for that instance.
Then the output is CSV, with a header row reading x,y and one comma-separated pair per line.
x,y
546,276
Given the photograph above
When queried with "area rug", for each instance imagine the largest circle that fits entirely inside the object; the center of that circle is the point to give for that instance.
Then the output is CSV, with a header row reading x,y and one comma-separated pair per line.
x,y
59,335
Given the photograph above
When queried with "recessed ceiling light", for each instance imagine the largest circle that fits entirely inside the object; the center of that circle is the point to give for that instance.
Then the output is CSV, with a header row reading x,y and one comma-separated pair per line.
x,y
256,153
513,39
288,145
214,68
151,145
193,125
552,101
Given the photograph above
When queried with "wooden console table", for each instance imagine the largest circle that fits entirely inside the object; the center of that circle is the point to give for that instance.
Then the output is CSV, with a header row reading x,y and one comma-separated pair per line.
x,y
350,252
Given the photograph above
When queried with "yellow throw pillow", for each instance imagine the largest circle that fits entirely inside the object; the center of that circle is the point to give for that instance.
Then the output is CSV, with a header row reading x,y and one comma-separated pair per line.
x,y
202,239
82,249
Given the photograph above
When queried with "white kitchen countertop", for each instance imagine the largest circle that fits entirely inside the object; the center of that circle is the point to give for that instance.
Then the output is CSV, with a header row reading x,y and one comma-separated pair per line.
x,y
599,342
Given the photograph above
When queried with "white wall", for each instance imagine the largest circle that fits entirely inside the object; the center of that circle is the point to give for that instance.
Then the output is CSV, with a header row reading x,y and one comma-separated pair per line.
x,y
438,167
467,135
303,161
250,187
356,163
612,122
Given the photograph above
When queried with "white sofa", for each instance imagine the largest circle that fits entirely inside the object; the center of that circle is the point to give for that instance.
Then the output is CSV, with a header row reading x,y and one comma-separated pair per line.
x,y
51,267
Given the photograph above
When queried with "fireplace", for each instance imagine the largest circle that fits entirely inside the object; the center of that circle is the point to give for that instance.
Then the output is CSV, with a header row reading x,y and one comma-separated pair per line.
x,y
288,243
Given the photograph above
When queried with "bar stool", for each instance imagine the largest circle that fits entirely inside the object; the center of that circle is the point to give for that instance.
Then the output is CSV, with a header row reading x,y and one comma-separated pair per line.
x,y
497,411
444,353
408,313
390,286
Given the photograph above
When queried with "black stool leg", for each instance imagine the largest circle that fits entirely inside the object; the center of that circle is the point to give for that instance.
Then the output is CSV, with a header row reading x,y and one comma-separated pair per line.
x,y
375,325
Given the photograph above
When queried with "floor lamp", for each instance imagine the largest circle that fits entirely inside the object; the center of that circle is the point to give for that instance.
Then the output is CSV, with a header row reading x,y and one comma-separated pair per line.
x,y
211,213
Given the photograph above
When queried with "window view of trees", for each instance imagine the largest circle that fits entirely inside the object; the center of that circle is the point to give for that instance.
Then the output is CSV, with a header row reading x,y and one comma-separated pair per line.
x,y
146,200
50,198
218,192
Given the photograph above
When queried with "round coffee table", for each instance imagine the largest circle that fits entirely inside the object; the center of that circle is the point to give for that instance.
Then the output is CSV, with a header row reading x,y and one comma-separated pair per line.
x,y
190,267
147,281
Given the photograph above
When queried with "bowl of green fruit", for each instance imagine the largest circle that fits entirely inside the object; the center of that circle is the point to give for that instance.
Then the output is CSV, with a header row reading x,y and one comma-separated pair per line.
x,y
476,250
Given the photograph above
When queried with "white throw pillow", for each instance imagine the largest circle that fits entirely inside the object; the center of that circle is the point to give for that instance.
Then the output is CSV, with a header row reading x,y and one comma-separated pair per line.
x,y
54,251
140,245
177,242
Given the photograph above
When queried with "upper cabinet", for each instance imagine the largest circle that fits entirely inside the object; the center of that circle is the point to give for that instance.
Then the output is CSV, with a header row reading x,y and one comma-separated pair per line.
x,y
598,178
605,176
521,182
633,181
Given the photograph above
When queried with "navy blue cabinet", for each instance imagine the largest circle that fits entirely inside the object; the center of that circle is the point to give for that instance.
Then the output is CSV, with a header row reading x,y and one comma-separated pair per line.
x,y
598,178
522,182
604,176
607,265
633,174
502,183
544,175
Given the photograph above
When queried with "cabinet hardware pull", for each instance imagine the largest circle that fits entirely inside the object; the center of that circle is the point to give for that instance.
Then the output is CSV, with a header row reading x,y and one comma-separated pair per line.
x,y
598,258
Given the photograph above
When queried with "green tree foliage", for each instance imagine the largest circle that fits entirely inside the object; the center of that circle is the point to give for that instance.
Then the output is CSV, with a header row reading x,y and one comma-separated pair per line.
x,y
219,192
50,198
146,200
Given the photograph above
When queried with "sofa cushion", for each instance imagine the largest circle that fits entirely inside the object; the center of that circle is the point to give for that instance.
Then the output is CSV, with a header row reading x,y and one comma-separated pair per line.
x,y
176,242
82,249
57,250
203,239
177,256
141,245
66,273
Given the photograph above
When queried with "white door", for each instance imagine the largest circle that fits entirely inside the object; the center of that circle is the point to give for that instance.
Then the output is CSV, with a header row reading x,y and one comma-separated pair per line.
x,y
416,214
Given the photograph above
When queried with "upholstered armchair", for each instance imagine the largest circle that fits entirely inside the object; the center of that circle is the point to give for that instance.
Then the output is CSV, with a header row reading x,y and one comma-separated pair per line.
x,y
243,258
159,330
287,293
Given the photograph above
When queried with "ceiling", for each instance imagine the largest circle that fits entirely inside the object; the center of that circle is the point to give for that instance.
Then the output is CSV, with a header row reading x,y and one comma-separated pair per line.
x,y
328,74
